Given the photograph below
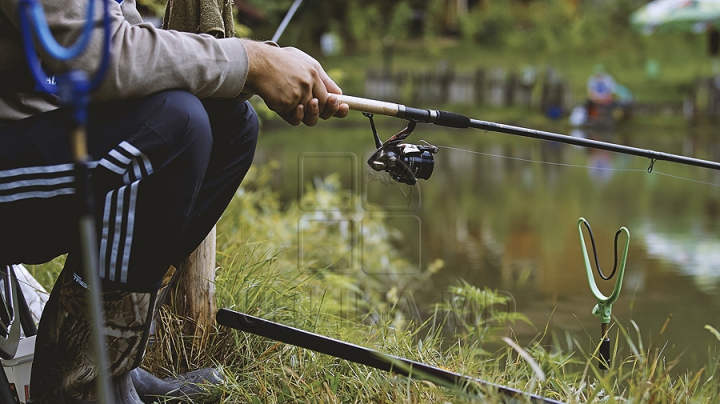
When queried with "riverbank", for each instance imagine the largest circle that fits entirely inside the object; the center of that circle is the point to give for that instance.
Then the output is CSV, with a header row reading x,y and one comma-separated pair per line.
x,y
263,271
280,261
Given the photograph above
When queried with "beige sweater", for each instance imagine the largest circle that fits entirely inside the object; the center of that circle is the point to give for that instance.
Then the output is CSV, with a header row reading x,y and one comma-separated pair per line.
x,y
144,59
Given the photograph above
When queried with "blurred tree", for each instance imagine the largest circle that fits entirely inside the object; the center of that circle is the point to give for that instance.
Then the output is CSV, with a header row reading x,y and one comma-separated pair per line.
x,y
370,25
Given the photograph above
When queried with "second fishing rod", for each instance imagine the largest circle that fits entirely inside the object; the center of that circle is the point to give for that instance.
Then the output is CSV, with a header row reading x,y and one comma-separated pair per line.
x,y
453,120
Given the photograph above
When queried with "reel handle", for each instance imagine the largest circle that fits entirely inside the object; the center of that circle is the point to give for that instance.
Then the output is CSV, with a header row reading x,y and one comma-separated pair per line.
x,y
368,105
437,117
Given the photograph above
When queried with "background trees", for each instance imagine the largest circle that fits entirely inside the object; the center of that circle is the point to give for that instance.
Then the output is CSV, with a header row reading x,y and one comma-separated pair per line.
x,y
363,25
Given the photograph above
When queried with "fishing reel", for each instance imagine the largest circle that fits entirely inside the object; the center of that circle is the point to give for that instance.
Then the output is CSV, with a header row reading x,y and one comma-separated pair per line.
x,y
404,162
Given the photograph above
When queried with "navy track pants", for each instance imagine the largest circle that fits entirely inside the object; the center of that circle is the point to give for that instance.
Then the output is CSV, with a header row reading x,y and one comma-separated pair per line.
x,y
163,169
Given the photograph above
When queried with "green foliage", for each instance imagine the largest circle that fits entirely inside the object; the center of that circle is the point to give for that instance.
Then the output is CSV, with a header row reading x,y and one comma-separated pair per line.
x,y
434,20
399,20
569,36
551,27
364,23
479,315
489,24
368,24
316,238
259,274
46,273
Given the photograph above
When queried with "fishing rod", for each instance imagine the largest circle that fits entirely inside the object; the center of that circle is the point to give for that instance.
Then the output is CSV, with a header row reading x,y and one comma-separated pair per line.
x,y
286,20
407,162
372,358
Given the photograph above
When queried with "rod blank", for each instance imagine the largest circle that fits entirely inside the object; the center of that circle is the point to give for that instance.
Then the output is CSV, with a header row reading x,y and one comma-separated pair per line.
x,y
450,119
592,144
368,357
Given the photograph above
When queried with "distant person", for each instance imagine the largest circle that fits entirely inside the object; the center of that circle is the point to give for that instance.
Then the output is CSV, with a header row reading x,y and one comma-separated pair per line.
x,y
601,89
600,86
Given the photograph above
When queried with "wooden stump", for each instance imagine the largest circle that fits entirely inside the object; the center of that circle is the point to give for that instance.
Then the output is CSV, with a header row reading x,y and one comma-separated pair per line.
x,y
193,297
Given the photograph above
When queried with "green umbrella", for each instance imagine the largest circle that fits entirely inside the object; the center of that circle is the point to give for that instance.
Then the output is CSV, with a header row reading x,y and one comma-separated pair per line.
x,y
696,16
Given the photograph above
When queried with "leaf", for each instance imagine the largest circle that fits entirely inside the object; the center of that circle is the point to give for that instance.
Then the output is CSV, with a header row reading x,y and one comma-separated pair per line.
x,y
539,374
715,332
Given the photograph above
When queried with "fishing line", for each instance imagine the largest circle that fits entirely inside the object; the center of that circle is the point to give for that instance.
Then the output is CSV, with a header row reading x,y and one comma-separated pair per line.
x,y
373,177
712,184
631,170
420,157
540,161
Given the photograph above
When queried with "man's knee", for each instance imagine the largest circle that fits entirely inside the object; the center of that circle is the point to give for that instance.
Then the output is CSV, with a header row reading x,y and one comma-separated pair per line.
x,y
180,118
233,124
245,140
235,129
252,124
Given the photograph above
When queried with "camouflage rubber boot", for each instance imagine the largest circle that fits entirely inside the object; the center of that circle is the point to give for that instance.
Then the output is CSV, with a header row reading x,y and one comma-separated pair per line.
x,y
64,369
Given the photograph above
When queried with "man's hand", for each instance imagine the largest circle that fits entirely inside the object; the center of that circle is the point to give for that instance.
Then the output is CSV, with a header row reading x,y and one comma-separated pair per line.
x,y
292,83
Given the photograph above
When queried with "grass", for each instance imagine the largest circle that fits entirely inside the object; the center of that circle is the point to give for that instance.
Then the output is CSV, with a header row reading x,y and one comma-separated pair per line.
x,y
468,333
259,274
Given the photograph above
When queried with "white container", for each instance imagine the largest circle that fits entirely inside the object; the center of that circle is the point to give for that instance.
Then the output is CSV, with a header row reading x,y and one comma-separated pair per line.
x,y
18,368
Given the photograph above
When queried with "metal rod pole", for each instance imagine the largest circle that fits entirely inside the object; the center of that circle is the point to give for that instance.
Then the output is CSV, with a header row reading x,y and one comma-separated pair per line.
x,y
90,262
368,357
449,119
73,89
592,144
604,347
10,337
286,20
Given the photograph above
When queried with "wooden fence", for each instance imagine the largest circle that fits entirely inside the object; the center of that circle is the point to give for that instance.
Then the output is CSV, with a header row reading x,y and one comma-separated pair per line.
x,y
703,100
545,91
497,87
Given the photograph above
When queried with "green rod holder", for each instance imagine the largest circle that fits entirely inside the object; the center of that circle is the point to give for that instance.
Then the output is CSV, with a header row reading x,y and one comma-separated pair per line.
x,y
603,308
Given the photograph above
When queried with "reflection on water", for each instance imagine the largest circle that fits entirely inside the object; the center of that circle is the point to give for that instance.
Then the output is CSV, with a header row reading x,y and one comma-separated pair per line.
x,y
502,212
695,255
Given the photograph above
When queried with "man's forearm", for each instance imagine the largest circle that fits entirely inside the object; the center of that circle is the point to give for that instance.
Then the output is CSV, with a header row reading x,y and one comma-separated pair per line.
x,y
145,60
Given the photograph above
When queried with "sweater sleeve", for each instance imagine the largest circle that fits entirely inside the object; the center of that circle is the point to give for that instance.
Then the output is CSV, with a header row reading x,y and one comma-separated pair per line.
x,y
144,59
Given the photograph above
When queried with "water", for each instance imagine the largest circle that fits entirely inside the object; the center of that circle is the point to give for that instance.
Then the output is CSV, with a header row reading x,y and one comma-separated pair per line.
x,y
502,212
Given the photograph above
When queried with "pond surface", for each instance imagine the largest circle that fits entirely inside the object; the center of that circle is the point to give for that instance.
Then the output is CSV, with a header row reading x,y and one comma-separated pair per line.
x,y
502,212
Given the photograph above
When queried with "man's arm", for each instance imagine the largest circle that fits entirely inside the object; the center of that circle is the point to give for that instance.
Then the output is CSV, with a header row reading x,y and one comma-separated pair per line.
x,y
146,60
292,83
